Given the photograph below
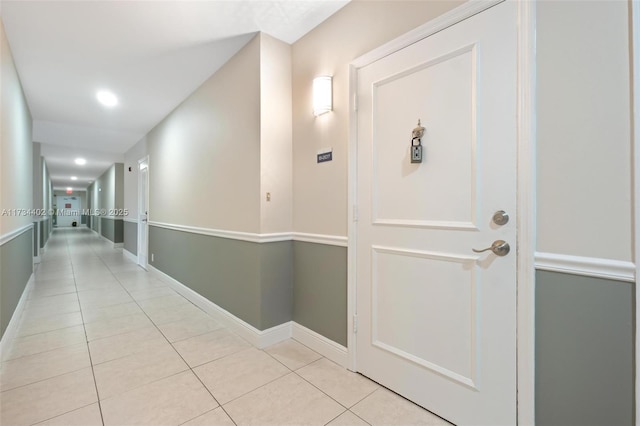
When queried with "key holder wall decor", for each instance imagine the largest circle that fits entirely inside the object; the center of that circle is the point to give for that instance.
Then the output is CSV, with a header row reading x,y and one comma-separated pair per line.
x,y
416,143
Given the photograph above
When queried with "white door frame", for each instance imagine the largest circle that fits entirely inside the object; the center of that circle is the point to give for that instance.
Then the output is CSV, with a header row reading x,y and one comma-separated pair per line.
x,y
525,216
635,40
144,243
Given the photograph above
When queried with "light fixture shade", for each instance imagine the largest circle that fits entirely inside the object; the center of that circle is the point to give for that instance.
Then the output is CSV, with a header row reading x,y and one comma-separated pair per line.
x,y
322,95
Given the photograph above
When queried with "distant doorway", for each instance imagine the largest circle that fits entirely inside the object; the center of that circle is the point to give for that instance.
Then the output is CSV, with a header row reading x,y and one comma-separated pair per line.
x,y
68,211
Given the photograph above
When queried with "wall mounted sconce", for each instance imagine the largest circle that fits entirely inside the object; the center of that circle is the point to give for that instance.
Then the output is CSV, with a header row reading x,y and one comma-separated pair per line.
x,y
322,95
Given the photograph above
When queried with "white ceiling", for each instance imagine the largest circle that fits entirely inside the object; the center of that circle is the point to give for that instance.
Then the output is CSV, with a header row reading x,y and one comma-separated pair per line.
x,y
151,54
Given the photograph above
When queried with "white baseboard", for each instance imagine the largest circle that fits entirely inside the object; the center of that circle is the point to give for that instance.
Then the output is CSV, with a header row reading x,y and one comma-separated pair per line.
x,y
12,327
258,338
132,257
325,347
106,240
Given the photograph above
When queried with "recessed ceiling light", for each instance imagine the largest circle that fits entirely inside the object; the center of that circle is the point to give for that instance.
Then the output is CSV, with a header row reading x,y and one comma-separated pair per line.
x,y
107,98
69,188
81,161
74,178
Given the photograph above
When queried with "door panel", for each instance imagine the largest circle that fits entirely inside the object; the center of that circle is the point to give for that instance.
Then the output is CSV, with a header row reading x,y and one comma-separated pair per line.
x,y
447,85
402,300
437,321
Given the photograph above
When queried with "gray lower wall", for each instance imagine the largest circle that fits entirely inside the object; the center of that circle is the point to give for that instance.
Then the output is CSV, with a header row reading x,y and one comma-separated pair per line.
x,y
16,267
131,237
263,284
112,229
252,281
320,289
584,351
36,243
44,235
276,283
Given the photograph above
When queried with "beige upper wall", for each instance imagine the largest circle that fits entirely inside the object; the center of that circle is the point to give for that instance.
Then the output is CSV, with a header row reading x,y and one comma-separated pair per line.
x,y
584,139
118,190
107,192
38,182
276,136
320,190
204,157
16,145
93,196
106,189
47,187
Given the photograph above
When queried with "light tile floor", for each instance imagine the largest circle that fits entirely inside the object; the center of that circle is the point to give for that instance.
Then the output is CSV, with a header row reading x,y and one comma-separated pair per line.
x,y
102,342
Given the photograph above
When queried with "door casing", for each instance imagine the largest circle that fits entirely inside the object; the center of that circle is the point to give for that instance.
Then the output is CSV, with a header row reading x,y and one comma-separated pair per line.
x,y
526,166
635,27
143,261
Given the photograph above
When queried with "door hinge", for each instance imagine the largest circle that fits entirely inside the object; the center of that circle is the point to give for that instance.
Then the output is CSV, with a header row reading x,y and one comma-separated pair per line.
x,y
355,213
355,323
355,101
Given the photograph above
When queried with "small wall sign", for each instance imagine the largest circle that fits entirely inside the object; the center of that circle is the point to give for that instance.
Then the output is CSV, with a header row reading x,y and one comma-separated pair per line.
x,y
325,155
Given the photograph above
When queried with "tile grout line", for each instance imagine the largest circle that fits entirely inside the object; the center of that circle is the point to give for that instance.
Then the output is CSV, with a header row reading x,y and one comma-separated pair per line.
x,y
45,351
48,378
93,373
252,346
306,365
192,368
189,368
182,358
206,412
291,371
323,392
59,375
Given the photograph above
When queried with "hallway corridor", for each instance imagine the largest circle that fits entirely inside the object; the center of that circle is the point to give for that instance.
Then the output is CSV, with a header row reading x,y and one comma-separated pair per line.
x,y
101,341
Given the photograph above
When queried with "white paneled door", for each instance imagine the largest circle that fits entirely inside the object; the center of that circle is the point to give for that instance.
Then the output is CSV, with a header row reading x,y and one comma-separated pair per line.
x,y
436,320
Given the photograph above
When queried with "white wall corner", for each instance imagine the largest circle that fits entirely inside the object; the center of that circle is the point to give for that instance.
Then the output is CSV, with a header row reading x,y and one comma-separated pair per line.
x,y
130,256
325,347
258,338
